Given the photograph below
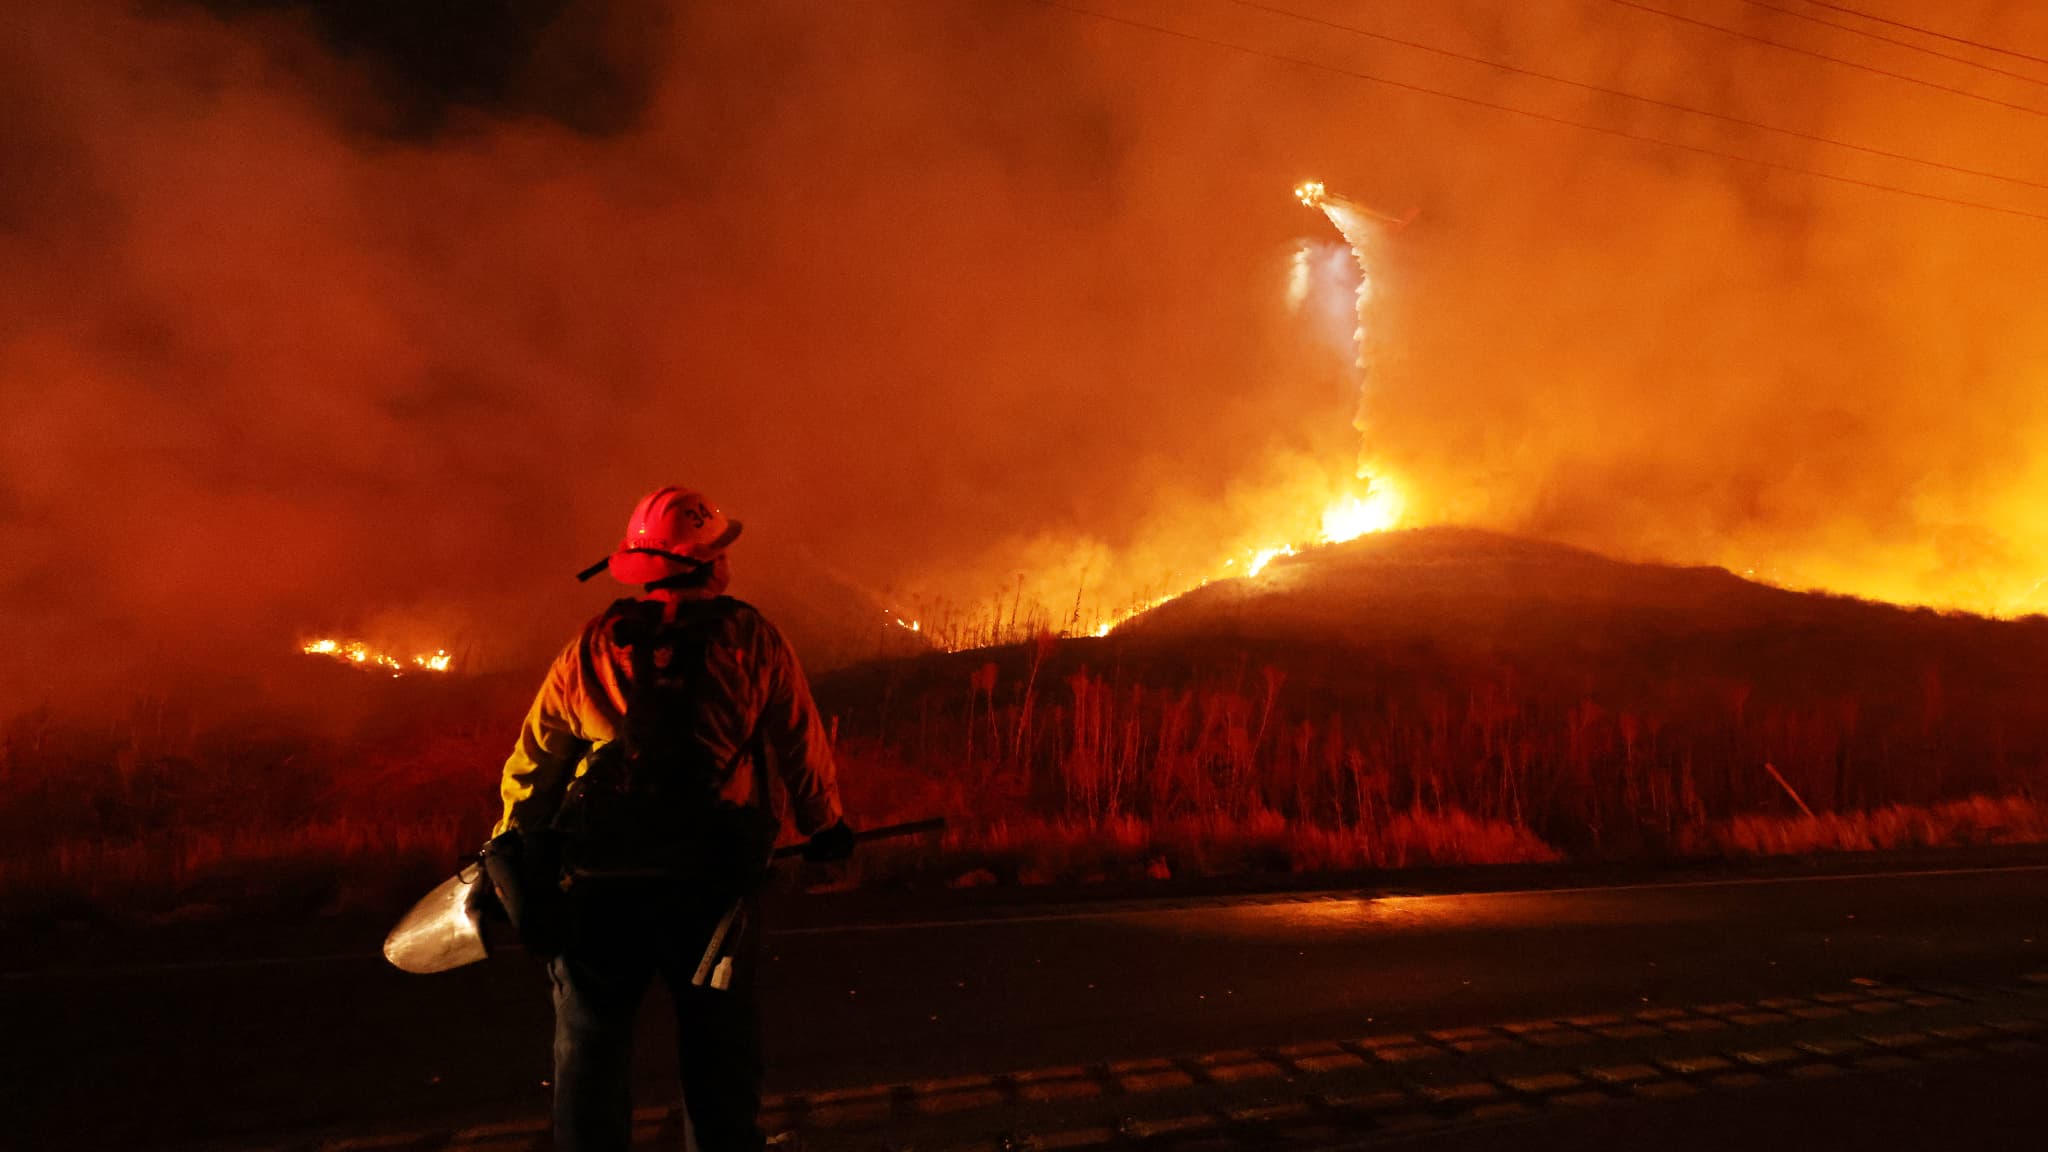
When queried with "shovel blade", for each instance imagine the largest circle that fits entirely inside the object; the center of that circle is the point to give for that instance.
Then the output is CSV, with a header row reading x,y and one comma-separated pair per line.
x,y
444,930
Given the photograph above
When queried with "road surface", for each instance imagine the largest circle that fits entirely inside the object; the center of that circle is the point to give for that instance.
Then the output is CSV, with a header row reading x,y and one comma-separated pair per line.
x,y
1845,1008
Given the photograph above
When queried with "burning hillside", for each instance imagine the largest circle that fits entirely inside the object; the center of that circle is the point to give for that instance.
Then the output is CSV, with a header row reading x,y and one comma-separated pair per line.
x,y
1607,706
1470,589
1424,696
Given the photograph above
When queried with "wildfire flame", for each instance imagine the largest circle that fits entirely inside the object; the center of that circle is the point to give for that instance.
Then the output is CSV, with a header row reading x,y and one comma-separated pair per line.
x,y
1381,507
361,655
1377,511
1265,556
1109,625
1375,505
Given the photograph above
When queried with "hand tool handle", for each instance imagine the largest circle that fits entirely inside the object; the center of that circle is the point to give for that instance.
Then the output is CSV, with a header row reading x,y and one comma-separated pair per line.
x,y
886,832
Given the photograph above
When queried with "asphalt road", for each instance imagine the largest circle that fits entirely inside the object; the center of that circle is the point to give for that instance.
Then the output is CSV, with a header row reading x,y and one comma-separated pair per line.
x,y
1937,1109
136,1053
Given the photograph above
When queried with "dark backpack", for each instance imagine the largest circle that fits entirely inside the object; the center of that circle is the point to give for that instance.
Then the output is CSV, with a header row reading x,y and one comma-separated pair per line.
x,y
649,803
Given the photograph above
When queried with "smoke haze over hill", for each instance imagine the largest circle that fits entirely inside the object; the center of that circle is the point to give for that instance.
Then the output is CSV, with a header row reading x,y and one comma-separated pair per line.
x,y
328,315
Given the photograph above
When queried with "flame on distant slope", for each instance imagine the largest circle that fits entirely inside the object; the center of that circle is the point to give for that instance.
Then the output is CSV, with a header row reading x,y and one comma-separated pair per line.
x,y
361,655
1379,510
1381,506
1303,503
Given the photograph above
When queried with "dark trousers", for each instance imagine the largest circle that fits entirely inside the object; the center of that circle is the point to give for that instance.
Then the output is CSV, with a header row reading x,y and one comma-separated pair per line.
x,y
625,933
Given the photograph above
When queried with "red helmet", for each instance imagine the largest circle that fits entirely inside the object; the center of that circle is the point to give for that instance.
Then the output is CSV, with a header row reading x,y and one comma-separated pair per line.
x,y
672,530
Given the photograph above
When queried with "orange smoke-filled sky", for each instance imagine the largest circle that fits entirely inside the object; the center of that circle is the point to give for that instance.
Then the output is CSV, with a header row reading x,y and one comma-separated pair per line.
x,y
318,316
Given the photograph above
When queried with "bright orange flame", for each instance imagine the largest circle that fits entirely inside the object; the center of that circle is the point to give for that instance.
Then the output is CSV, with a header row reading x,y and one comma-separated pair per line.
x,y
362,655
1265,556
1110,625
1382,506
1379,510
1354,516
1347,519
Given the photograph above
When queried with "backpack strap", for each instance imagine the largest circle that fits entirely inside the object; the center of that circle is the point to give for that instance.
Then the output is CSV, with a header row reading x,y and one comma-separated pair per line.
x,y
649,802
659,653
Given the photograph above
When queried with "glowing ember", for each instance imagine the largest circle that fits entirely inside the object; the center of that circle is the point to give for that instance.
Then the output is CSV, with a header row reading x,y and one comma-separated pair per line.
x,y
361,655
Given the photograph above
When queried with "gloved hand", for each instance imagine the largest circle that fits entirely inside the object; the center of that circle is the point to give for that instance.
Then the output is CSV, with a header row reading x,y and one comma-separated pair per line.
x,y
831,845
525,871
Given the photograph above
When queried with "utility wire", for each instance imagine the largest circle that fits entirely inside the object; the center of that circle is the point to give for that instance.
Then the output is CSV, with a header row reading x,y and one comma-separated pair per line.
x,y
1845,62
1478,102
1882,38
1927,31
1651,100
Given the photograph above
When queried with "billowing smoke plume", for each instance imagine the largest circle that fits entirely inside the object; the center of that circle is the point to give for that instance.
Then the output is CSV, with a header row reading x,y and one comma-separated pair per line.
x,y
1672,356
309,319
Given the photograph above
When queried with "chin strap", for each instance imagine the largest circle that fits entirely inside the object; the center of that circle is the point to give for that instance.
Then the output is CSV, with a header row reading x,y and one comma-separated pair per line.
x,y
689,579
590,572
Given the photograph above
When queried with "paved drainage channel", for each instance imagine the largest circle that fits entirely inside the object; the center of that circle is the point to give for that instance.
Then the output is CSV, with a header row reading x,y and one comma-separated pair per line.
x,y
1352,1090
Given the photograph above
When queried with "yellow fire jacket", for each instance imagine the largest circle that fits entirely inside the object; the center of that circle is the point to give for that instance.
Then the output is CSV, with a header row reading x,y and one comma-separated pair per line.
x,y
760,700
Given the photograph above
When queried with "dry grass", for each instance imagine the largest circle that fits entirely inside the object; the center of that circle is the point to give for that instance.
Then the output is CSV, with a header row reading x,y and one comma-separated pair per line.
x,y
311,869
1436,697
1063,782
1038,851
1058,761
160,812
1976,821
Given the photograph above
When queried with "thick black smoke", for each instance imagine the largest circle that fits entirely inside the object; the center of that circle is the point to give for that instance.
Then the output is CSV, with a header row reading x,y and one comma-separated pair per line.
x,y
593,66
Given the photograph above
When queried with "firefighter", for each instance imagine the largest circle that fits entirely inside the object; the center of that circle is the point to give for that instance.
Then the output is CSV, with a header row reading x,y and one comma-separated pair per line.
x,y
637,803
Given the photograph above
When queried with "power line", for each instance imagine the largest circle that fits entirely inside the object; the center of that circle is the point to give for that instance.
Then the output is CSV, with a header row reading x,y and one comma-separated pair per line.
x,y
1478,102
1651,100
1927,31
1845,62
1884,39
